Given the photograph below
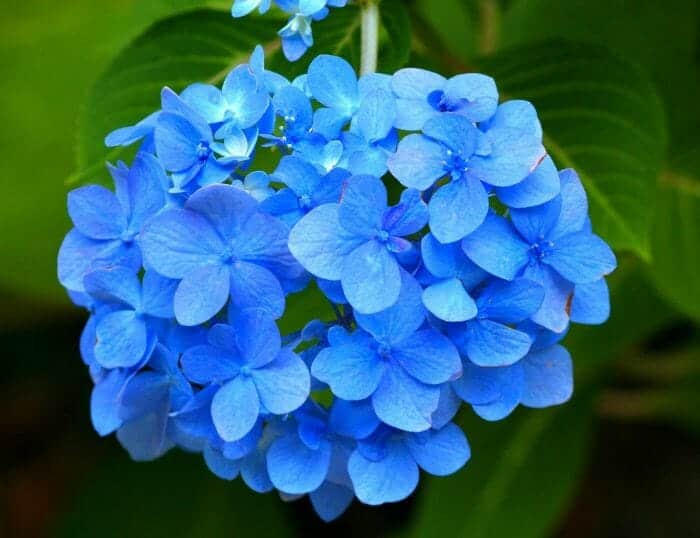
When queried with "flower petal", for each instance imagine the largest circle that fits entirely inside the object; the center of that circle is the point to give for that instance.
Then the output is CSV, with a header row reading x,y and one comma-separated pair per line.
x,y
96,212
201,294
440,452
283,384
403,402
352,371
494,344
121,339
429,357
235,408
548,377
449,301
497,248
296,469
457,209
371,278
418,162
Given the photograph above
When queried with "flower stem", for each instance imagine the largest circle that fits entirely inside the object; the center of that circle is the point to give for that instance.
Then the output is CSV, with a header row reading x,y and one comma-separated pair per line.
x,y
370,37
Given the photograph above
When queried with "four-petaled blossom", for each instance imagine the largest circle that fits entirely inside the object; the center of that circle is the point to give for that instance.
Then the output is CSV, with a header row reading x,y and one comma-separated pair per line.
x,y
357,240
220,245
256,375
550,244
396,363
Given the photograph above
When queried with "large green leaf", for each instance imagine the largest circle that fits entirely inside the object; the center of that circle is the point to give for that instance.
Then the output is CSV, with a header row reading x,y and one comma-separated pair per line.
x,y
203,46
602,117
676,236
522,473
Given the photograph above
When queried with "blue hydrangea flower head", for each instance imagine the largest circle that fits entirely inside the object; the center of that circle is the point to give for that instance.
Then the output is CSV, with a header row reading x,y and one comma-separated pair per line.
x,y
453,254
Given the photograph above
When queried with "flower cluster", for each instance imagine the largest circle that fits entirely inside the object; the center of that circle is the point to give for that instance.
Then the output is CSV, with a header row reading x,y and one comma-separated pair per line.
x,y
296,34
452,251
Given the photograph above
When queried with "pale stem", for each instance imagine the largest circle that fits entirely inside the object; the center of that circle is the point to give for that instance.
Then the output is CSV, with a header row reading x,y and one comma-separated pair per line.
x,y
370,37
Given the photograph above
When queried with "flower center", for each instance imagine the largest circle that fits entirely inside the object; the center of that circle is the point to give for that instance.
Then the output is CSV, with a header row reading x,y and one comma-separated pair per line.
x,y
203,150
382,236
540,250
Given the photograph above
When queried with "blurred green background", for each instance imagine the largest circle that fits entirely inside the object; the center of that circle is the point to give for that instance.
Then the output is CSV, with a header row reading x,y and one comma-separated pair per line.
x,y
622,459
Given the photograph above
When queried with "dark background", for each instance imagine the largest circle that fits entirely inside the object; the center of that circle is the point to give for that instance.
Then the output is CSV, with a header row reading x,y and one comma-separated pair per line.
x,y
621,460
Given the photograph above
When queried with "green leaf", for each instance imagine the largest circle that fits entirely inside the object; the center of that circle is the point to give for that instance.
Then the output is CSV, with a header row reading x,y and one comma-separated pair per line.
x,y
676,242
602,117
203,46
522,473
173,496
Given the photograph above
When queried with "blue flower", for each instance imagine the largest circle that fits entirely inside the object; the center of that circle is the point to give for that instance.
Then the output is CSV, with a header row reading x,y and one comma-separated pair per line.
x,y
316,450
123,332
371,138
107,223
504,155
447,295
220,245
257,184
398,364
490,339
254,372
333,83
385,467
542,379
147,401
357,240
422,95
241,8
305,189
548,244
296,34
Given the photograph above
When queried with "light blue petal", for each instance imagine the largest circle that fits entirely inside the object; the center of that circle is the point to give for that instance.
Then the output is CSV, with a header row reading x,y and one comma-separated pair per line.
x,y
493,344
145,439
145,182
201,295
429,357
418,162
177,242
294,107
105,402
296,469
390,479
235,408
284,384
581,258
510,389
254,472
409,216
310,7
454,132
221,466
412,114
328,122
449,301
403,402
591,303
96,212
376,115
548,377
480,92
447,408
539,187
352,371
224,206
253,286
300,176
207,100
554,312
320,244
371,278
510,302
158,295
574,205
362,206
356,420
395,324
257,337
497,248
176,142
115,285
440,452
331,500
333,83
121,339
519,115
205,364
479,385
513,157
457,209
536,223
414,83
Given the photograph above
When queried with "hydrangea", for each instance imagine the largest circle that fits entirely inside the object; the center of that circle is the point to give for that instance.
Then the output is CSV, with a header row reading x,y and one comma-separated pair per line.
x,y
453,255
296,34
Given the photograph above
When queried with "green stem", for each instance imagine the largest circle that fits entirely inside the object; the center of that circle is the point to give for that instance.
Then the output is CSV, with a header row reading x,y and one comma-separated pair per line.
x,y
370,37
